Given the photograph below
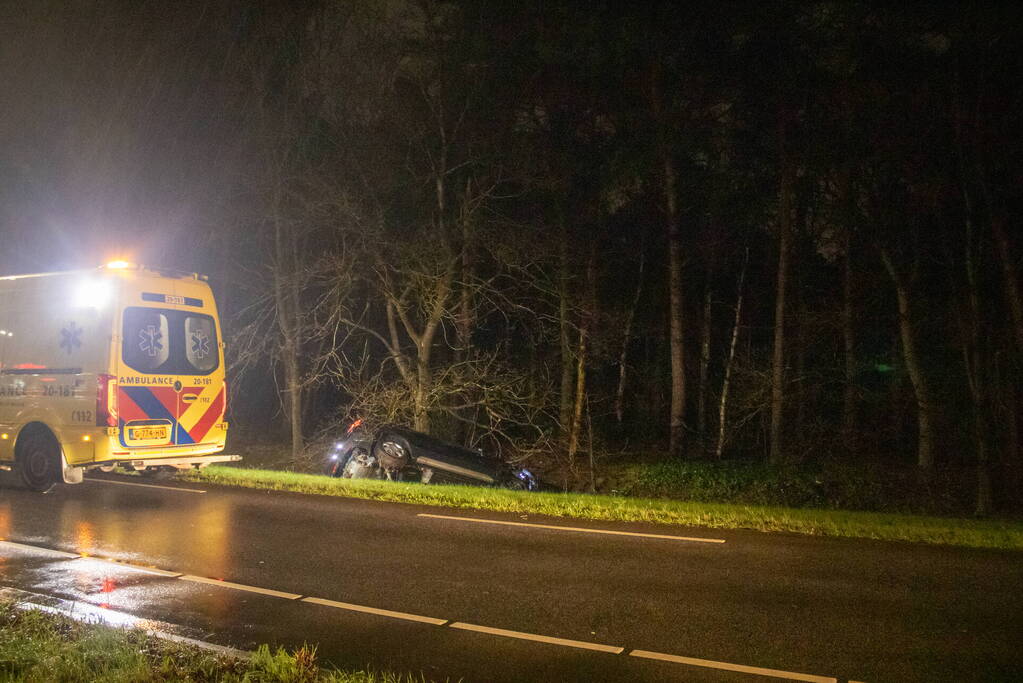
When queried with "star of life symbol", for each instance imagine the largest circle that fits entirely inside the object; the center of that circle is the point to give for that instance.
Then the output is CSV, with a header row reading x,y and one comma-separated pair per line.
x,y
200,344
150,340
71,337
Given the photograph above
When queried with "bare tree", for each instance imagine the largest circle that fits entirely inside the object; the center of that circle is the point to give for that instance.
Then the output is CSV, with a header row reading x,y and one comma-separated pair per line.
x,y
921,385
565,327
582,355
848,344
730,359
630,318
706,327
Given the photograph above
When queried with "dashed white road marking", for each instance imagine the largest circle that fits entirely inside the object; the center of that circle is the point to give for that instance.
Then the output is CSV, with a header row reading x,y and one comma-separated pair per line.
x,y
373,610
434,621
37,549
147,486
740,668
564,642
502,522
240,587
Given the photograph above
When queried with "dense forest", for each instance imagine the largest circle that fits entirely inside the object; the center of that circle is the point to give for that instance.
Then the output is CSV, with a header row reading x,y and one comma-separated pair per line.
x,y
781,232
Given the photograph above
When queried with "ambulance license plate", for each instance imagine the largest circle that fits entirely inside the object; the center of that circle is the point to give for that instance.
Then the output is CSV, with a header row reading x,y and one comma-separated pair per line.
x,y
147,433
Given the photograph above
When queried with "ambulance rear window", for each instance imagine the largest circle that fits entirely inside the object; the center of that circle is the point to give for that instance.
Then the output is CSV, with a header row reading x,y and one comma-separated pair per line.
x,y
146,342
200,348
163,341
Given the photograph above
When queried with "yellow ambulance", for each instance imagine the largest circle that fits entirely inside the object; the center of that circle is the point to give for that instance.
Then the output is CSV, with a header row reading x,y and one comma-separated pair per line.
x,y
119,365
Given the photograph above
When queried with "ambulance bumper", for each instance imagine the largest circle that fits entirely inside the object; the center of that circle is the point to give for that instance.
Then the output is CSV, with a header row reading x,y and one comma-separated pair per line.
x,y
179,462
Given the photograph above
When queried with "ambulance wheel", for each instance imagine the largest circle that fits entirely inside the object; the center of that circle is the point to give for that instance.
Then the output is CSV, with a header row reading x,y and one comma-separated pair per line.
x,y
38,458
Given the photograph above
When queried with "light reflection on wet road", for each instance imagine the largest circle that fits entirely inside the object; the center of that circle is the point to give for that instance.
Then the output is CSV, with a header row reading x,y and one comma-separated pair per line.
x,y
5,519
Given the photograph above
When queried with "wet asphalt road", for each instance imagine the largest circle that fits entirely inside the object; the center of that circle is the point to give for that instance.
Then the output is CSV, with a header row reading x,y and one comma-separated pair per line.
x,y
834,608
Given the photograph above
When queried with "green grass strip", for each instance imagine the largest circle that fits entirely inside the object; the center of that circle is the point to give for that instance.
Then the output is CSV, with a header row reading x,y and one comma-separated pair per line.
x,y
998,534
37,646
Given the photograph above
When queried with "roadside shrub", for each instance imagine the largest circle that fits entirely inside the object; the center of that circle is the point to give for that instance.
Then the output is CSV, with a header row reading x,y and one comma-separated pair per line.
x,y
831,485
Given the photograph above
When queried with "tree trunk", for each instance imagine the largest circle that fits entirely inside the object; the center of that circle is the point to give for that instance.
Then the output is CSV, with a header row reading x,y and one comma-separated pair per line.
x,y
849,218
623,357
580,375
465,306
658,366
921,386
676,315
287,315
1009,275
800,383
466,318
420,378
293,382
706,326
425,350
676,303
565,407
725,383
973,360
580,395
1013,457
289,350
421,413
1011,470
848,348
778,361
589,442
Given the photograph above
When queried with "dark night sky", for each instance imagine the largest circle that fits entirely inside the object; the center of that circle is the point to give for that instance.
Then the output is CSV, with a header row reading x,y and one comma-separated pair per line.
x,y
114,133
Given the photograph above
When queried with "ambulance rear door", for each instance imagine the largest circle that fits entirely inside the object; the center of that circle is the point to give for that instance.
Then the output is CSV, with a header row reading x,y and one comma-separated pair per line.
x,y
171,379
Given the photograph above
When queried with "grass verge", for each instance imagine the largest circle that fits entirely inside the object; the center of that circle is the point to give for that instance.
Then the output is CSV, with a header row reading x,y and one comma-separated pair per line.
x,y
39,646
998,534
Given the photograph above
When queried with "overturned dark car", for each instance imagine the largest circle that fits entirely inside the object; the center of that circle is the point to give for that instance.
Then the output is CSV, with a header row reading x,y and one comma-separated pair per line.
x,y
400,454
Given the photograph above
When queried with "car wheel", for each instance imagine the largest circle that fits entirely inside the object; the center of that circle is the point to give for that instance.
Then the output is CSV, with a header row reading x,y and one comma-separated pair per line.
x,y
393,453
512,482
38,458
519,480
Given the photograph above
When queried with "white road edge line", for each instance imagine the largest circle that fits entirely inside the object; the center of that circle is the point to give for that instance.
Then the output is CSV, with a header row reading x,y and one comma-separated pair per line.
x,y
239,587
725,666
574,528
35,548
583,645
148,486
373,610
129,565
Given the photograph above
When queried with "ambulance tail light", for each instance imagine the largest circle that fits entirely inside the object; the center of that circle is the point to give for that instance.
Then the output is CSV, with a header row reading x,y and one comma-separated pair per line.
x,y
106,400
